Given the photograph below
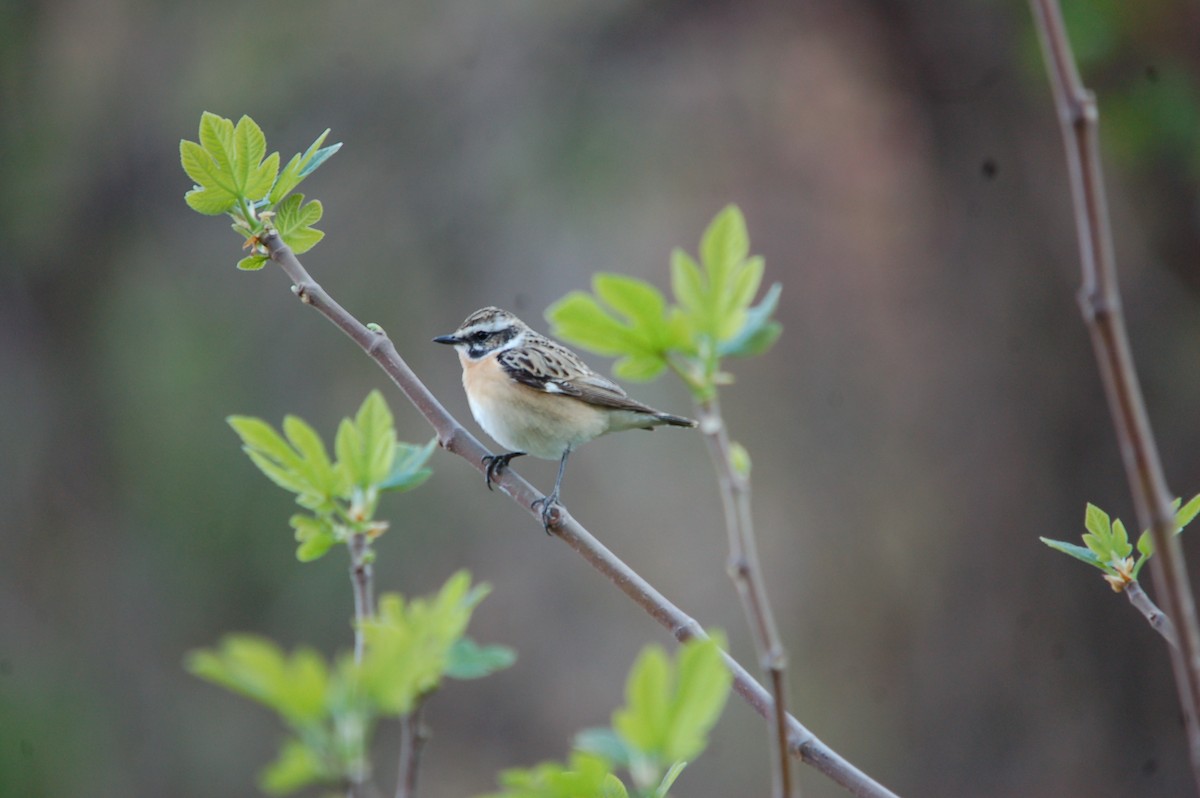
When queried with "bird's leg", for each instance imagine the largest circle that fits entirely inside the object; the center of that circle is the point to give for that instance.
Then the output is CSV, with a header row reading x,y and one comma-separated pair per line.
x,y
493,464
548,502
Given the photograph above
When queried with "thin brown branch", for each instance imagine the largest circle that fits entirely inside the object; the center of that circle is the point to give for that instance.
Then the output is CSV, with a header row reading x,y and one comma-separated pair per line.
x,y
362,580
1100,301
456,439
1157,619
412,739
746,573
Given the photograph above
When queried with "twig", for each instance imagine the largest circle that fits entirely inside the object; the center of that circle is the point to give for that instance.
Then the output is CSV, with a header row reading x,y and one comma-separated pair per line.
x,y
412,739
453,437
1158,621
361,578
747,576
1100,300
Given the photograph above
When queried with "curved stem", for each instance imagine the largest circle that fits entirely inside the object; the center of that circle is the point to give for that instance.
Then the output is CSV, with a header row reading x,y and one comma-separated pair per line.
x,y
1100,301
746,573
454,438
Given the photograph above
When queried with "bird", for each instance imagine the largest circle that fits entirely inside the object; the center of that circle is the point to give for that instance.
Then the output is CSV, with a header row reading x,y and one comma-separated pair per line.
x,y
535,396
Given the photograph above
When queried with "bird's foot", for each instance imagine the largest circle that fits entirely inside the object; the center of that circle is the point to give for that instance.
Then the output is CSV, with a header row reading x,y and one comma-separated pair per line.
x,y
493,464
550,510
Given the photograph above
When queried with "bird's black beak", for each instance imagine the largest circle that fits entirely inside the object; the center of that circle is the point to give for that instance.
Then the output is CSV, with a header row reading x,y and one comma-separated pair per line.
x,y
445,339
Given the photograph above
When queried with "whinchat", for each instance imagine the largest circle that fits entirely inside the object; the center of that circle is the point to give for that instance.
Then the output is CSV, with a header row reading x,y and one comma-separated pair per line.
x,y
535,396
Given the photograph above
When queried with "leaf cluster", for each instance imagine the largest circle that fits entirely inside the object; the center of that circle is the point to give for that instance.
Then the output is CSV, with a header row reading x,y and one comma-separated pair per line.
x,y
670,708
1107,547
330,707
713,315
233,175
342,494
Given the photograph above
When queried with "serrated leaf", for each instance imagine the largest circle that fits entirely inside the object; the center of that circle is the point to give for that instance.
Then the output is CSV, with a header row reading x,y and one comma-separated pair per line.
x,y
687,283
294,686
469,660
261,178
297,766
1097,522
639,369
408,644
217,139
759,331
300,166
605,743
315,547
638,301
1078,552
702,688
1119,544
745,279
1186,514
579,319
642,722
408,469
261,436
292,220
315,464
249,147
724,244
378,434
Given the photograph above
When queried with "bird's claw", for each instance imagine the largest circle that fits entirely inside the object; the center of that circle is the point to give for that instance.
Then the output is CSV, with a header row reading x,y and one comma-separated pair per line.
x,y
550,511
493,464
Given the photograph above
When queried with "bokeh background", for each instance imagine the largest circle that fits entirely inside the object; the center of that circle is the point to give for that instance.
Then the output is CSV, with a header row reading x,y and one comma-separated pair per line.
x,y
931,409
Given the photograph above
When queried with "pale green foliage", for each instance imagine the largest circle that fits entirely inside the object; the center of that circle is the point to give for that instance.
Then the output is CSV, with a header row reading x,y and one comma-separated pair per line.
x,y
410,646
713,316
670,708
1107,547
233,175
341,495
330,709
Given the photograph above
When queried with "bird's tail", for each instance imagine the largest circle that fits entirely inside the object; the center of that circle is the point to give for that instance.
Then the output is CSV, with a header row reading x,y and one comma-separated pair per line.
x,y
675,421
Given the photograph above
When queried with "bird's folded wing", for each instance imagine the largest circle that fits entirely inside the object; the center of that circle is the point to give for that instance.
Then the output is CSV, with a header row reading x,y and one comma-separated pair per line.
x,y
559,371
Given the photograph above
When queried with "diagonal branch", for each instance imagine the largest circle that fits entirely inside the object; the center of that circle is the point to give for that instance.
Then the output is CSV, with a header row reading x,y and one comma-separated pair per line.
x,y
1100,300
456,439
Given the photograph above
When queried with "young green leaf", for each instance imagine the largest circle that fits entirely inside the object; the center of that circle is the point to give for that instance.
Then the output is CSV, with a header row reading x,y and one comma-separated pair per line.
x,y
669,711
581,320
293,220
300,166
408,466
724,244
643,721
469,660
759,331
315,465
606,743
315,536
1186,514
1078,552
702,688
587,776
213,192
297,766
252,263
408,645
366,446
257,668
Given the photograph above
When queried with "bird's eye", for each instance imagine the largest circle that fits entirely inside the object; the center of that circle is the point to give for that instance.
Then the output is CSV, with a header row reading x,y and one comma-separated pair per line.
x,y
479,336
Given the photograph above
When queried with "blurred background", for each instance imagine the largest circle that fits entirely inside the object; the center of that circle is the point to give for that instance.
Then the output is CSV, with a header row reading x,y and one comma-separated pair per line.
x,y
932,408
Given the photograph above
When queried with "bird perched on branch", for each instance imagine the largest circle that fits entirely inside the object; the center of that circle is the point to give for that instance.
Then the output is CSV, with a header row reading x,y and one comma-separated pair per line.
x,y
535,396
